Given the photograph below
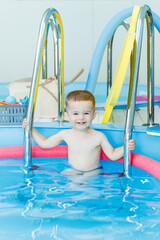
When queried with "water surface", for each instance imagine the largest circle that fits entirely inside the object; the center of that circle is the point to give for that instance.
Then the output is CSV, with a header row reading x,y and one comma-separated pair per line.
x,y
44,204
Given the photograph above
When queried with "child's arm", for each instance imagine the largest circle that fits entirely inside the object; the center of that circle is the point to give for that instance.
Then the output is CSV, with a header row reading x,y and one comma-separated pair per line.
x,y
115,153
42,140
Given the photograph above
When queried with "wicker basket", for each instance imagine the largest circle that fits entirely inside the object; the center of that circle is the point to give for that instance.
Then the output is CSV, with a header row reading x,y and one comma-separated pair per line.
x,y
12,114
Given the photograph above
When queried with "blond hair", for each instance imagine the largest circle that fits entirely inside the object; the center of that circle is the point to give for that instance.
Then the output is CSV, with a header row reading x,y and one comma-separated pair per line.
x,y
80,95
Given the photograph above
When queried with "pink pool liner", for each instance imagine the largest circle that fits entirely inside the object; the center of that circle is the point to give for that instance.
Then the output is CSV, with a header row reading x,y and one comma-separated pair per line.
x,y
144,98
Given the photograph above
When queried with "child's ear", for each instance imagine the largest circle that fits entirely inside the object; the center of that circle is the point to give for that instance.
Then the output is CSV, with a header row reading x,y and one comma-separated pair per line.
x,y
66,116
94,115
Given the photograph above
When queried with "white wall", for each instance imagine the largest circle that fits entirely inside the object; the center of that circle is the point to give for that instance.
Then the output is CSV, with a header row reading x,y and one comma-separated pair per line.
x,y
83,22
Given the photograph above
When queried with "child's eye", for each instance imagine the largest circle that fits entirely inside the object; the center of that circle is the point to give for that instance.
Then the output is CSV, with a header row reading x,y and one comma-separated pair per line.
x,y
75,114
86,113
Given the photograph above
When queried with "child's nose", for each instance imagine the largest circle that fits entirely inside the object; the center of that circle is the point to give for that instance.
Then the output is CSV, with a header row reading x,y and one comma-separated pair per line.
x,y
81,116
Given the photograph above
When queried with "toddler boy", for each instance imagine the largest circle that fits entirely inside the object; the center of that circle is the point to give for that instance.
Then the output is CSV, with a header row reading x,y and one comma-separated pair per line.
x,y
84,143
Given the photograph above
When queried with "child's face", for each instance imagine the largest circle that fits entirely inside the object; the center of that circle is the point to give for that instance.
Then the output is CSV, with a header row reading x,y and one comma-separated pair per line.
x,y
80,114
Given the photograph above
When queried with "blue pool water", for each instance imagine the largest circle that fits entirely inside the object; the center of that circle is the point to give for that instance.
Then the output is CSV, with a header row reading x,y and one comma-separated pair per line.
x,y
44,204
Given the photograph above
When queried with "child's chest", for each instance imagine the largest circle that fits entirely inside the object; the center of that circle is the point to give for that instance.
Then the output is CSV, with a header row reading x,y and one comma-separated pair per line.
x,y
83,143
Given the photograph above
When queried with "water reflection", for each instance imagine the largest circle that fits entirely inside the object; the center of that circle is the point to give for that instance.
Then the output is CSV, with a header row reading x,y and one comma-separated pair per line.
x,y
50,204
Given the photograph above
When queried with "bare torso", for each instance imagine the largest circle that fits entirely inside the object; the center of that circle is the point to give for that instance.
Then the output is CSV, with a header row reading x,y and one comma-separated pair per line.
x,y
83,148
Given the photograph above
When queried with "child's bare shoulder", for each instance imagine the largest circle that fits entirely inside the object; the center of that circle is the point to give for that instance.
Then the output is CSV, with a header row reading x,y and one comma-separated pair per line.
x,y
66,132
101,136
98,133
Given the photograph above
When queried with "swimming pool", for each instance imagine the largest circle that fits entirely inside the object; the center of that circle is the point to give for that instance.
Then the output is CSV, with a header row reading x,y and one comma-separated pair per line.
x,y
44,204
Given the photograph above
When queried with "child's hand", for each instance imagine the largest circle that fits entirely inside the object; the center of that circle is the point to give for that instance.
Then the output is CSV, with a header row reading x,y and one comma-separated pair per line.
x,y
25,122
131,144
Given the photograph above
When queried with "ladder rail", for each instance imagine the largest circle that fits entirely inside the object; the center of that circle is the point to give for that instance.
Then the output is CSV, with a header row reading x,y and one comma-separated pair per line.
x,y
144,12
40,53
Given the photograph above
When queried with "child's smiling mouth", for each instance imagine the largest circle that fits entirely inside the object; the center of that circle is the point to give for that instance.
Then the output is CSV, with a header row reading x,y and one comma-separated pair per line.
x,y
81,123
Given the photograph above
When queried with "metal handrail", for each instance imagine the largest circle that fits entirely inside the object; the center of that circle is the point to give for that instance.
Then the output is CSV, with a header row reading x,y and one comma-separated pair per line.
x,y
109,56
50,18
53,24
144,12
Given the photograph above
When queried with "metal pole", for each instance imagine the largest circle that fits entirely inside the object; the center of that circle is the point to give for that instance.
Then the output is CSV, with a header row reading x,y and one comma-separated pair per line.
x,y
54,27
109,65
133,88
151,67
35,79
44,60
109,57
